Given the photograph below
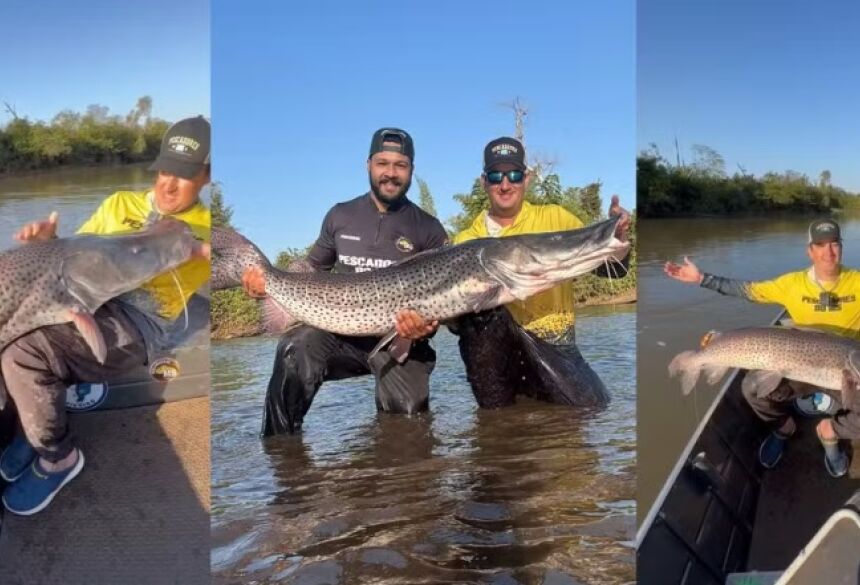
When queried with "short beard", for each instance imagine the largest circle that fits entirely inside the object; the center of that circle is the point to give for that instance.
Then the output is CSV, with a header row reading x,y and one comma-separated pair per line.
x,y
392,200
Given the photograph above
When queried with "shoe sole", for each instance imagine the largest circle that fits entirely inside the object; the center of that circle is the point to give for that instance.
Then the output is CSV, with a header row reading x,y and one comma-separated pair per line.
x,y
830,469
76,470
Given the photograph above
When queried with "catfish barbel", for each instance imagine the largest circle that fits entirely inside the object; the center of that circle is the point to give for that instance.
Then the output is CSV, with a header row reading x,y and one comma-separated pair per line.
x,y
771,354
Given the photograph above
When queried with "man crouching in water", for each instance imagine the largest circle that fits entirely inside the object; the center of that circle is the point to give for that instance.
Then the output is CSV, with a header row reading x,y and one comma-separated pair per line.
x,y
543,361
371,231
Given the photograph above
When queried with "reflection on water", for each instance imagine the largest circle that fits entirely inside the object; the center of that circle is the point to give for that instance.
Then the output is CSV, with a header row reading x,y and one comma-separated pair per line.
x,y
673,316
529,494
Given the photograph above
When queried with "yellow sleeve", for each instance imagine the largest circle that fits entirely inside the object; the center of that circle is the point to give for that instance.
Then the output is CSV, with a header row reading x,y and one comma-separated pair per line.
x,y
770,291
97,223
564,219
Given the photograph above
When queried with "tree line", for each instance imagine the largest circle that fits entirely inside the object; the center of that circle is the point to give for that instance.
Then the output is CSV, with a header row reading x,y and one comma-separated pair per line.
x,y
94,137
664,189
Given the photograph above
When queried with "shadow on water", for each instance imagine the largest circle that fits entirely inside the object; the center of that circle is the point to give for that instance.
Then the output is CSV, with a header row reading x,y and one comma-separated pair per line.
x,y
529,494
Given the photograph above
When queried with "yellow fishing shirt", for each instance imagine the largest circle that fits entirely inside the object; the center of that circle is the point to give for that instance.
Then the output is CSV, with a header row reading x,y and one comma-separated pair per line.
x,y
127,211
550,313
801,296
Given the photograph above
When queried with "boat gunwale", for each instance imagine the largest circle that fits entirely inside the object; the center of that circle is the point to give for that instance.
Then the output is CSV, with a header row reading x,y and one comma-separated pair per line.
x,y
660,500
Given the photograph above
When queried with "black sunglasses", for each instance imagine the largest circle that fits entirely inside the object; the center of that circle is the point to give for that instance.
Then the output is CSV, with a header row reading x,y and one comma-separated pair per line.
x,y
496,177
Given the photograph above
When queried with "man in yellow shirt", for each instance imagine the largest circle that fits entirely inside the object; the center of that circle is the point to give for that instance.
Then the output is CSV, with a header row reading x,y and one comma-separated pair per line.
x,y
823,296
548,316
39,366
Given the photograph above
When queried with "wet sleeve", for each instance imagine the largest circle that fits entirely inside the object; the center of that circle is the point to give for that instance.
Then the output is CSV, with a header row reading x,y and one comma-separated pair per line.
x,y
323,253
766,291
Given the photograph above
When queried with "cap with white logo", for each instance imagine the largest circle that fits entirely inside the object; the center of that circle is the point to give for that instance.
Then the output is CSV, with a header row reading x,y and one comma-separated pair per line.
x,y
504,150
184,148
823,230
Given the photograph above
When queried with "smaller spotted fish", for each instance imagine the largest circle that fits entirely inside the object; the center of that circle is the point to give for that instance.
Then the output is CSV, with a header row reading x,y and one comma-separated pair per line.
x,y
438,284
771,354
68,279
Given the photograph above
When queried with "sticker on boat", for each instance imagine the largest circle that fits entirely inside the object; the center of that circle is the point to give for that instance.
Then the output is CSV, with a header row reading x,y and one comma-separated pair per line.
x,y
85,396
164,369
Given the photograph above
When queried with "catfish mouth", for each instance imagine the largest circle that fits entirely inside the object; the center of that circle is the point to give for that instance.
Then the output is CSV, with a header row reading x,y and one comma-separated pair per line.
x,y
532,263
102,267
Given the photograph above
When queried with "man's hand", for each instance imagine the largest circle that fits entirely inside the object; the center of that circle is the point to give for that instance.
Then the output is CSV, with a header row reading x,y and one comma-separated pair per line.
x,y
624,223
411,325
39,230
825,430
254,282
688,272
202,250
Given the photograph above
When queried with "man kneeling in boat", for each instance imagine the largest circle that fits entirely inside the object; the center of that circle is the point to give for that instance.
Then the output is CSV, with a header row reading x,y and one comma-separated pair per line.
x,y
527,346
824,297
39,366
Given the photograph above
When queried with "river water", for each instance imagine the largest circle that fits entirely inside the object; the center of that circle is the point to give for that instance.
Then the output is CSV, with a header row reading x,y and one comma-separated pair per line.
x,y
532,494
73,193
673,316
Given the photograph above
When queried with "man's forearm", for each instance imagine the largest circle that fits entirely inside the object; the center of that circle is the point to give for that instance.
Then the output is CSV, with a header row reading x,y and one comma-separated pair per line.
x,y
727,286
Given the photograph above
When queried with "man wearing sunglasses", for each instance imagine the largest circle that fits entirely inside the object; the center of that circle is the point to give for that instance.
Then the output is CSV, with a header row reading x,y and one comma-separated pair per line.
x,y
372,231
823,296
548,315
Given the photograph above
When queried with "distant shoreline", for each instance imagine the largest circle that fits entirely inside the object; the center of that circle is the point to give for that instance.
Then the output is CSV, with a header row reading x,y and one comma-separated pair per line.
x,y
23,174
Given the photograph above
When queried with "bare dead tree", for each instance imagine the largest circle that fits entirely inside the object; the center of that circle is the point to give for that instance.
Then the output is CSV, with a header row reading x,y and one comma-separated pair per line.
x,y
11,109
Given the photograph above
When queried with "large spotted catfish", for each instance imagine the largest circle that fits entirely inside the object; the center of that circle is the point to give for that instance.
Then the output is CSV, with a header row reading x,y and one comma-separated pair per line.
x,y
68,279
439,284
770,354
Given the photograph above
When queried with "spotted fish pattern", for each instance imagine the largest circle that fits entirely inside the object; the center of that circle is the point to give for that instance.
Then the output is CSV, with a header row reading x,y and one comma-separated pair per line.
x,y
772,353
61,280
438,284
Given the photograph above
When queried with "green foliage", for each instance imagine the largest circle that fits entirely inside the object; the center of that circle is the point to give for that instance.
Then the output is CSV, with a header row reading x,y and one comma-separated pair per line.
x,y
425,198
663,189
290,255
234,314
222,214
71,138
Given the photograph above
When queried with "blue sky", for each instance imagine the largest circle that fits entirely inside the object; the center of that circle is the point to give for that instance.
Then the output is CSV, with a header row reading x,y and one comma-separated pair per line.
x,y
298,90
70,54
770,84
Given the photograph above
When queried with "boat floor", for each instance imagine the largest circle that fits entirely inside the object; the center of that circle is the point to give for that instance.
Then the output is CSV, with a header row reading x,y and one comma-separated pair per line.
x,y
139,511
796,498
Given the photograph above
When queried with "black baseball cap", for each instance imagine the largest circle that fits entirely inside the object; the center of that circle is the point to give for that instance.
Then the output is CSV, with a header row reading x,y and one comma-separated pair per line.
x,y
400,137
504,150
823,230
184,148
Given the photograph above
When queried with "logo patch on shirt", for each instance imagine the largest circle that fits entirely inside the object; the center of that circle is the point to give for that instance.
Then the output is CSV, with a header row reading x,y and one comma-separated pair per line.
x,y
348,237
132,223
403,244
